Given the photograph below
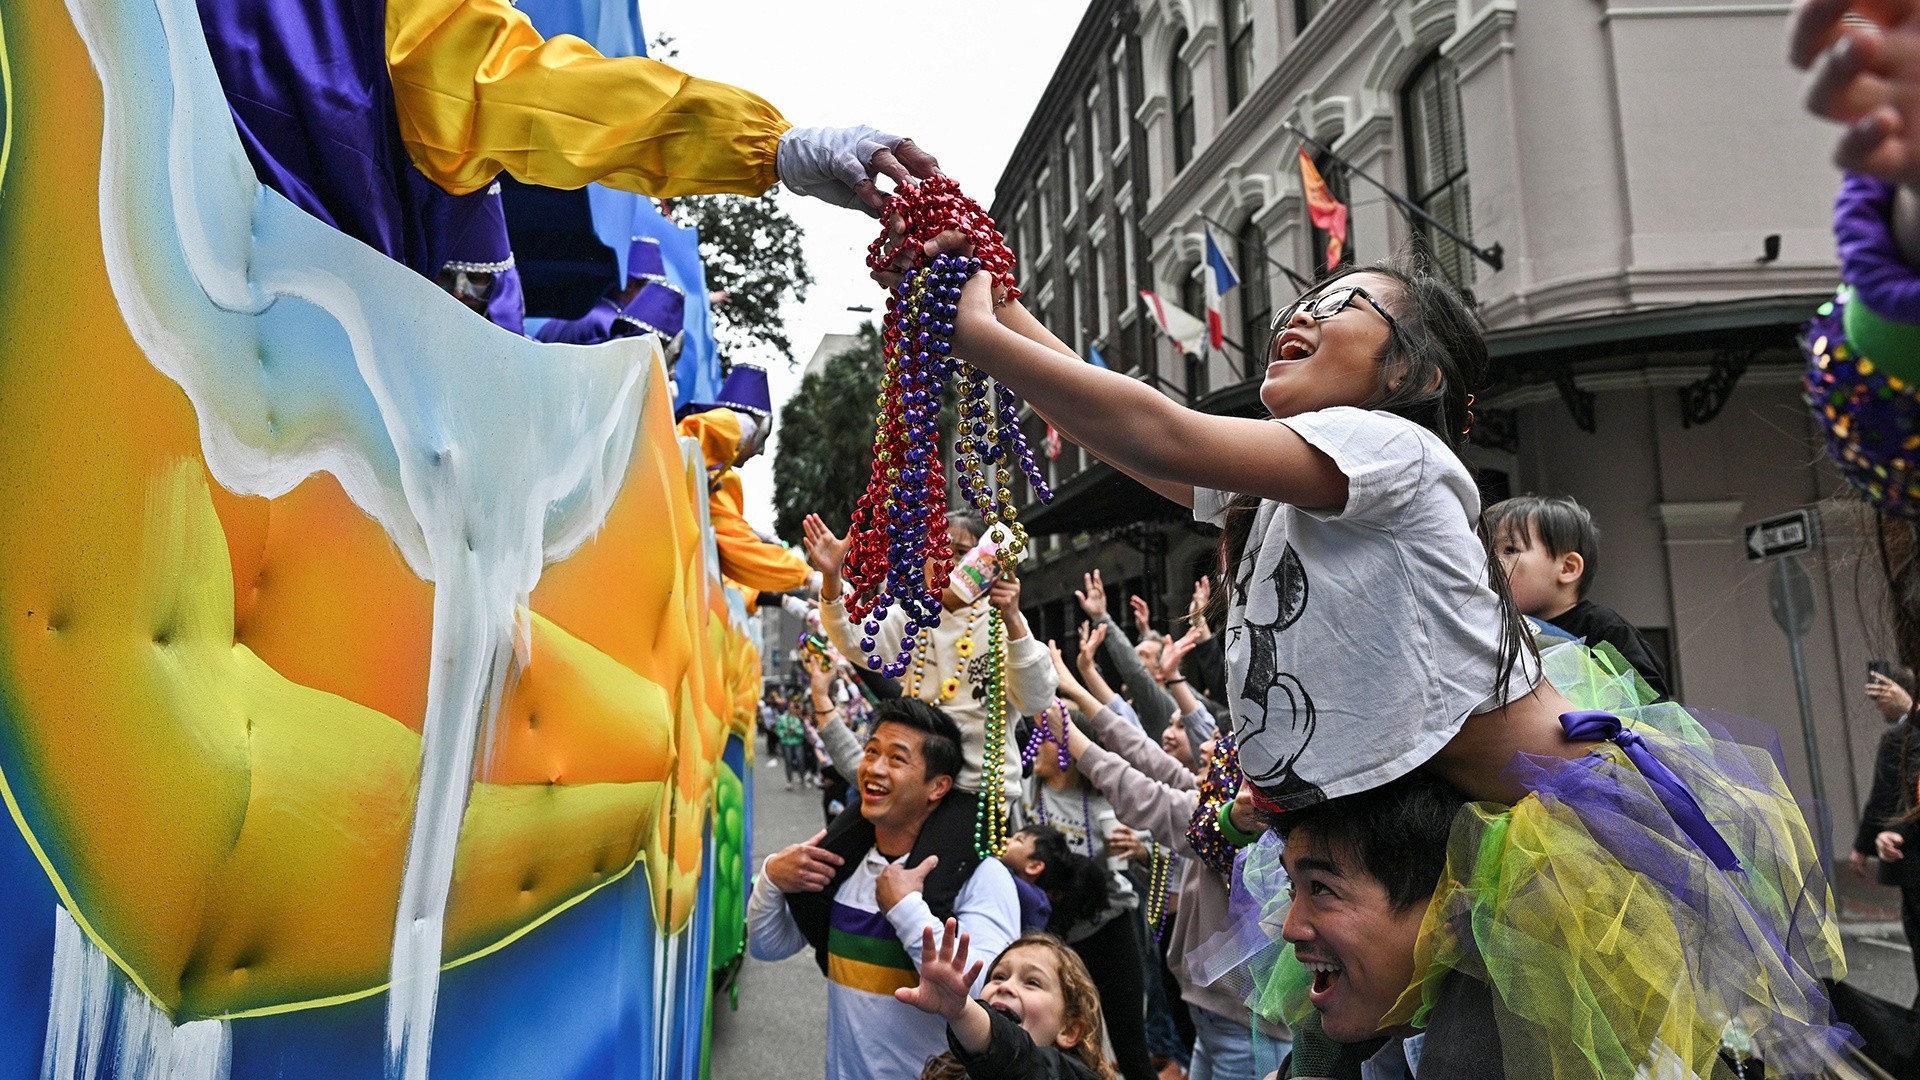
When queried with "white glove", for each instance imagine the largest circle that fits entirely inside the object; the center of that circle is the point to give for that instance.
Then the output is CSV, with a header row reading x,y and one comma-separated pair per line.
x,y
829,163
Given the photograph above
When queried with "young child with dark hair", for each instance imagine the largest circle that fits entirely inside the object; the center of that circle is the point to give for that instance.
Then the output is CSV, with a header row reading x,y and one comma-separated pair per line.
x,y
1550,550
1037,1017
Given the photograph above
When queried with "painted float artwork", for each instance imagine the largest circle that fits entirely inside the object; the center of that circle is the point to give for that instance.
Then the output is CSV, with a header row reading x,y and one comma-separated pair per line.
x,y
370,704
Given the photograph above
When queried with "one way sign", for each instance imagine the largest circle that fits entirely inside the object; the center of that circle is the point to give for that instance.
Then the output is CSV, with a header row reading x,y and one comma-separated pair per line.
x,y
1788,534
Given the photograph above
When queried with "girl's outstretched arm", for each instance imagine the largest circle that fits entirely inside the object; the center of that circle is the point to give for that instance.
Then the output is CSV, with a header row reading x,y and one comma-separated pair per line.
x,y
1015,317
1138,429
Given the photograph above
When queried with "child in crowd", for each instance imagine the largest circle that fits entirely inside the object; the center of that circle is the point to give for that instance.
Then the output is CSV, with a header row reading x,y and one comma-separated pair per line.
x,y
1094,898
1351,499
1549,548
1058,886
1037,1018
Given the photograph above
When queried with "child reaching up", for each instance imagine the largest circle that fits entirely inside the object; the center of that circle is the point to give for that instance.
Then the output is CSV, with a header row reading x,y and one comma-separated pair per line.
x,y
1368,633
1037,1018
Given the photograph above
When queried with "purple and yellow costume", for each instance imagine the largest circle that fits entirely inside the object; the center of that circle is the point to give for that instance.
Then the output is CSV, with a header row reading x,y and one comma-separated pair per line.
x,y
388,119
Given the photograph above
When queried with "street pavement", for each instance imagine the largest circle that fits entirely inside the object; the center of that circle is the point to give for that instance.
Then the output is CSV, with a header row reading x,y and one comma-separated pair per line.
x,y
1879,961
780,1028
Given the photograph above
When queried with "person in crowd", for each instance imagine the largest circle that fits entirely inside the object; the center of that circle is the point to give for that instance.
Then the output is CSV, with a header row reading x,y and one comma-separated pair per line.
x,y
1191,723
950,668
793,740
647,304
1061,800
1147,699
865,916
731,431
1888,824
1549,548
1207,665
1042,868
1038,1017
1351,497
1153,792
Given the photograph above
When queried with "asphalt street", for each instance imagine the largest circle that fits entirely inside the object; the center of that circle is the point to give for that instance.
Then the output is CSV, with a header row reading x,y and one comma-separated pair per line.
x,y
780,1027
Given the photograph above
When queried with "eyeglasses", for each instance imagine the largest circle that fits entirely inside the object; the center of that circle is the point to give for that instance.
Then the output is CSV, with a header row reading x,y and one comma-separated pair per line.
x,y
1328,304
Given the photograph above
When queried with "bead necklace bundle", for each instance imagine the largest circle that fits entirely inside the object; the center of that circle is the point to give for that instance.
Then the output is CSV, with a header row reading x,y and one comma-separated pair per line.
x,y
1218,788
990,824
898,551
1162,860
1043,733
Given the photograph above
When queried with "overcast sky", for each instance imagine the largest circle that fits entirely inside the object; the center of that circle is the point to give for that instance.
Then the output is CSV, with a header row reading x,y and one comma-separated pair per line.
x,y
960,78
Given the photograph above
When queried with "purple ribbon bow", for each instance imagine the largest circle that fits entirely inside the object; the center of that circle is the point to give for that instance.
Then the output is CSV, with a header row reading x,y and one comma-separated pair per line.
x,y
1672,791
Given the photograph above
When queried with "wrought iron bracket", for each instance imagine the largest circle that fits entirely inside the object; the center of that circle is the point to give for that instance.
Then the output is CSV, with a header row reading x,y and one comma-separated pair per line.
x,y
1578,402
1702,399
1496,429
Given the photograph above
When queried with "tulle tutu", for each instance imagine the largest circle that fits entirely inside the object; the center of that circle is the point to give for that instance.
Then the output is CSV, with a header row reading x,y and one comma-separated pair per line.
x,y
1612,944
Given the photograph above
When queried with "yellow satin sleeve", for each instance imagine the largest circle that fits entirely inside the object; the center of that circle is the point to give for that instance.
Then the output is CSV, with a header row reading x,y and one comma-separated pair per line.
x,y
478,90
744,557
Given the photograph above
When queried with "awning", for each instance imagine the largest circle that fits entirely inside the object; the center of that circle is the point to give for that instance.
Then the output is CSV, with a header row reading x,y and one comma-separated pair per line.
x,y
1100,497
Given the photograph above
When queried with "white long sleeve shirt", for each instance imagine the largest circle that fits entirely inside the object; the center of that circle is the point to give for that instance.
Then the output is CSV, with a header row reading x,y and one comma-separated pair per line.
x,y
870,953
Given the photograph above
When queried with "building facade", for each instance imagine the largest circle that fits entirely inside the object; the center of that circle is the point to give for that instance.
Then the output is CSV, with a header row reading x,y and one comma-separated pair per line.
x,y
1629,191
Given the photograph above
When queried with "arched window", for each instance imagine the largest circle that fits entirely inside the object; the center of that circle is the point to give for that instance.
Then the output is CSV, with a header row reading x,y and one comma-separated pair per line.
x,y
1256,298
1193,301
1180,93
1236,18
1437,164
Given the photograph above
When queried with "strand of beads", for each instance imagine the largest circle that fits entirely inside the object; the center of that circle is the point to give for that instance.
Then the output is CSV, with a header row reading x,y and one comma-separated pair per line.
x,y
898,551
1160,886
1219,787
990,825
930,209
990,437
1043,734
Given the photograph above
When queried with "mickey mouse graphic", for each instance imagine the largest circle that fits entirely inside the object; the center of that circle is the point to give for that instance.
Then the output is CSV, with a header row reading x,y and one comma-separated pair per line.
x,y
1274,715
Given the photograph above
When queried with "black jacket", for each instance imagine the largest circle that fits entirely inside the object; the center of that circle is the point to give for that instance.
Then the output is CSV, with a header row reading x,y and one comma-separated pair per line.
x,y
1012,1055
1896,769
1594,624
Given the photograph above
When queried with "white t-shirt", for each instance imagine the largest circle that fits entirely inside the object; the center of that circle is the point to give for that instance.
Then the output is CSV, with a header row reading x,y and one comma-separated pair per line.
x,y
1358,642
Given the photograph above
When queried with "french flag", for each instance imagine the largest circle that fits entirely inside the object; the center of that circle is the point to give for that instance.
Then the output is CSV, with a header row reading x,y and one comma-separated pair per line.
x,y
1220,280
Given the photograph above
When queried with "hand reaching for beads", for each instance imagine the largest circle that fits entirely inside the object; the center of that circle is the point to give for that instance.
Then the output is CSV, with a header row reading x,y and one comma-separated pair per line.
x,y
1142,615
1865,74
1176,650
1092,596
946,979
1197,607
827,552
1091,636
1124,843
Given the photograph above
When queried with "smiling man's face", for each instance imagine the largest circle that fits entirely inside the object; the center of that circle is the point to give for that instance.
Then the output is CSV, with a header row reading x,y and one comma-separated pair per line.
x,y
1346,931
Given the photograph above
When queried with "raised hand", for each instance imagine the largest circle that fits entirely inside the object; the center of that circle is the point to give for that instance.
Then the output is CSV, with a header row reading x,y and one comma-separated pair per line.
x,y
946,979
896,882
1176,650
1090,640
1092,596
1866,74
1142,616
1197,607
1124,843
827,552
804,867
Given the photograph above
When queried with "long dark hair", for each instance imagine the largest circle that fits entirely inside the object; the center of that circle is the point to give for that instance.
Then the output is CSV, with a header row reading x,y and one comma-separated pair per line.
x,y
1432,362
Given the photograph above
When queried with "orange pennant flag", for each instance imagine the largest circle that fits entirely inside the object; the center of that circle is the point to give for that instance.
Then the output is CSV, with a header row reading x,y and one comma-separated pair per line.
x,y
1328,213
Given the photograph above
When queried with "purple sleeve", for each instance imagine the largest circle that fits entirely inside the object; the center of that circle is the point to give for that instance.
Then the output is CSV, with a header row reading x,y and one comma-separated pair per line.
x,y
1869,258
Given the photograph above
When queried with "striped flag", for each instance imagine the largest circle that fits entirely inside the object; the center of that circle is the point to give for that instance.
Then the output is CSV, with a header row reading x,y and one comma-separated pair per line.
x,y
1189,334
1053,442
1220,280
1328,213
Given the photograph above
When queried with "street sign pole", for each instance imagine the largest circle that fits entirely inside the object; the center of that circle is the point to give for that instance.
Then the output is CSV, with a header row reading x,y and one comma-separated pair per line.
x,y
1790,595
